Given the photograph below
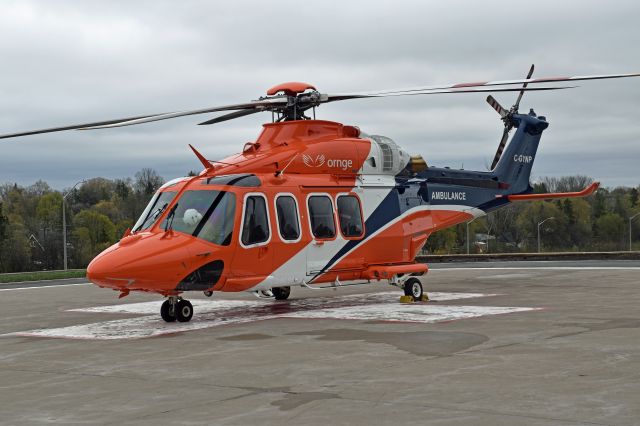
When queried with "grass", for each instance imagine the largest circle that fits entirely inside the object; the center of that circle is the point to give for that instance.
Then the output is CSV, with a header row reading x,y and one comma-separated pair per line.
x,y
42,275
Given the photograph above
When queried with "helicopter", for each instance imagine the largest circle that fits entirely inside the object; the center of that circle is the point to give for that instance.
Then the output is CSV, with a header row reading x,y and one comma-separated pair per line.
x,y
313,203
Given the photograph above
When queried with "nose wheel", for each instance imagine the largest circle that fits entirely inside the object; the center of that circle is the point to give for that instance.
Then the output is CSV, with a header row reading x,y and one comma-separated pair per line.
x,y
176,309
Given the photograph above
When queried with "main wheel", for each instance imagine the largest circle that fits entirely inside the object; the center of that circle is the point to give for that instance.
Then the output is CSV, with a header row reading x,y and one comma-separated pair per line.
x,y
184,310
281,293
413,287
167,312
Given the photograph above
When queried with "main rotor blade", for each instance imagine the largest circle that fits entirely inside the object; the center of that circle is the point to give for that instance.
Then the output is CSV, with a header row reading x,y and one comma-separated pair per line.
x,y
495,83
256,106
230,116
342,97
253,105
71,127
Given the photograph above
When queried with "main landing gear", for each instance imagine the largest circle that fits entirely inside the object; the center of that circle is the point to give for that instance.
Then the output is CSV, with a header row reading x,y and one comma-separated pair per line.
x,y
281,293
278,293
176,308
413,288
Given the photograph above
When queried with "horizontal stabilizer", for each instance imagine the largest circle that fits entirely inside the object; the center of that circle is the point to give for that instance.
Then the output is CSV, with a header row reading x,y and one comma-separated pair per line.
x,y
532,197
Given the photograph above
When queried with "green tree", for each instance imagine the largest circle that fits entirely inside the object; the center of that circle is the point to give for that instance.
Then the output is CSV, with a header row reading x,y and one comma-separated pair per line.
x,y
4,233
553,233
442,242
609,229
15,252
93,233
633,197
49,215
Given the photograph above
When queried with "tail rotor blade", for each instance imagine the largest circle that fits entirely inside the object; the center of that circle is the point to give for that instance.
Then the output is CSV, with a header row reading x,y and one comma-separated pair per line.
x,y
503,142
524,86
496,105
506,117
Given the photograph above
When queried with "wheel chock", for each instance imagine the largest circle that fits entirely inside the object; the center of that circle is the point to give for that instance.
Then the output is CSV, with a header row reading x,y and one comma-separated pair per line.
x,y
406,299
424,298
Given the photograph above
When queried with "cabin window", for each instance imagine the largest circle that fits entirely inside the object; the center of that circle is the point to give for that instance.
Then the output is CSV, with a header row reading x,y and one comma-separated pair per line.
x,y
255,228
204,214
288,223
321,216
350,216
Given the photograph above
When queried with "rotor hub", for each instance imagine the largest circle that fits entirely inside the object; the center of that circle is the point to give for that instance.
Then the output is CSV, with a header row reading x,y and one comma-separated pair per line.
x,y
291,88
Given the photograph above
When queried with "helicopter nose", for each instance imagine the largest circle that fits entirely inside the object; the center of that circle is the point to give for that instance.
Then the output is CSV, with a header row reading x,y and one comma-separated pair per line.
x,y
150,262
101,268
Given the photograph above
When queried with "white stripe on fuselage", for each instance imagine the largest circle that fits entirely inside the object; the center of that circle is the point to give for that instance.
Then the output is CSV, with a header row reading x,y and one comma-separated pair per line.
x,y
453,207
294,271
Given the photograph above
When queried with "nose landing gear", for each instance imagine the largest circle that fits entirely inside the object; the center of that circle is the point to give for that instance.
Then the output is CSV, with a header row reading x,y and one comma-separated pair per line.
x,y
176,308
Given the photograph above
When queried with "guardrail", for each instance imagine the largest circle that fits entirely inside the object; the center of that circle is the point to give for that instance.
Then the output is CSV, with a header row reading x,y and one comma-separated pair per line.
x,y
489,257
44,272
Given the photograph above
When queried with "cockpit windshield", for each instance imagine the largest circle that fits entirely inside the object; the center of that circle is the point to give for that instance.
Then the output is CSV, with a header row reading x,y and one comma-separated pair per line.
x,y
204,214
154,209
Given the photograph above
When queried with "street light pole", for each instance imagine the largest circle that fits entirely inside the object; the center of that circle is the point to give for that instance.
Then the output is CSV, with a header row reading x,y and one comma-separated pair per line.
x,y
540,224
630,219
64,223
468,233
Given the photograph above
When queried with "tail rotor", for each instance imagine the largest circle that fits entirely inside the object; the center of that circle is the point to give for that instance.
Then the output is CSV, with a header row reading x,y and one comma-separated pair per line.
x,y
506,115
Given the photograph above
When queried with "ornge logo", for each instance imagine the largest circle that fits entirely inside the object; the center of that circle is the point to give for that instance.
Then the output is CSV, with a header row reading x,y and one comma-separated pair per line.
x,y
310,162
320,160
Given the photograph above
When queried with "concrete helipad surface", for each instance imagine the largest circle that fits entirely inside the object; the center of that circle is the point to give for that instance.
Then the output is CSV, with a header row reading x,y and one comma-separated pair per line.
x,y
504,343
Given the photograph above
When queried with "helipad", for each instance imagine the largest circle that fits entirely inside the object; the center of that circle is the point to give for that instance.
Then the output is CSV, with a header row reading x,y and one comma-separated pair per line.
x,y
509,344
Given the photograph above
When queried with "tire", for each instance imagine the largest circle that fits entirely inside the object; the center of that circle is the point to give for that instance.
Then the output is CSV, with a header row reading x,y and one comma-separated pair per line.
x,y
281,293
184,310
165,312
413,287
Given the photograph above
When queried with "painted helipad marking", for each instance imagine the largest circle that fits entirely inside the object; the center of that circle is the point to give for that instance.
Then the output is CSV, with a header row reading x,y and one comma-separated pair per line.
x,y
212,313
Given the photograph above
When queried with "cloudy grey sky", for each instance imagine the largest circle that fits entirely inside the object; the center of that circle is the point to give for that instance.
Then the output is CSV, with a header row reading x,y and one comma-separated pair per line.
x,y
68,62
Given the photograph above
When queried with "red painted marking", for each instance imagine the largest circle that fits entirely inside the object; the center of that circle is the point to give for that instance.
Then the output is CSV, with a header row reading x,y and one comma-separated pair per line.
x,y
542,80
479,83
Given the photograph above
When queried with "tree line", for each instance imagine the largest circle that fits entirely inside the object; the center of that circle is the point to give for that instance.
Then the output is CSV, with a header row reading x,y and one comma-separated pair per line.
x,y
596,223
100,210
97,214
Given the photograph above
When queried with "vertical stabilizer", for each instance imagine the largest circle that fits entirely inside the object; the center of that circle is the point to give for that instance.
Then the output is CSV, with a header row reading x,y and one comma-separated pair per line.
x,y
514,167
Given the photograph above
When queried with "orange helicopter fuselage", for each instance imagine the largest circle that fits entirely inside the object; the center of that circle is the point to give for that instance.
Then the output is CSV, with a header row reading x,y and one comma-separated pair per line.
x,y
307,162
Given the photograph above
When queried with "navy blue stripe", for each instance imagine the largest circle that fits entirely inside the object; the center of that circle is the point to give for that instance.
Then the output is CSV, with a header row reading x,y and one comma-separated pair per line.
x,y
386,211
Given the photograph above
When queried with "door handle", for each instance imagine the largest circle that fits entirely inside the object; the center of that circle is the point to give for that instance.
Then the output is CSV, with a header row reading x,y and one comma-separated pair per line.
x,y
204,254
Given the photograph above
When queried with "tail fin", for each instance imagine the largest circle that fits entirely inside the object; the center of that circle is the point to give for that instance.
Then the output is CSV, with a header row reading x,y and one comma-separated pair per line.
x,y
514,167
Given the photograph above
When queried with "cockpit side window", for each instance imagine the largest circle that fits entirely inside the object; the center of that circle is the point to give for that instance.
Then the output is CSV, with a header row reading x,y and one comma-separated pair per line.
x,y
154,209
